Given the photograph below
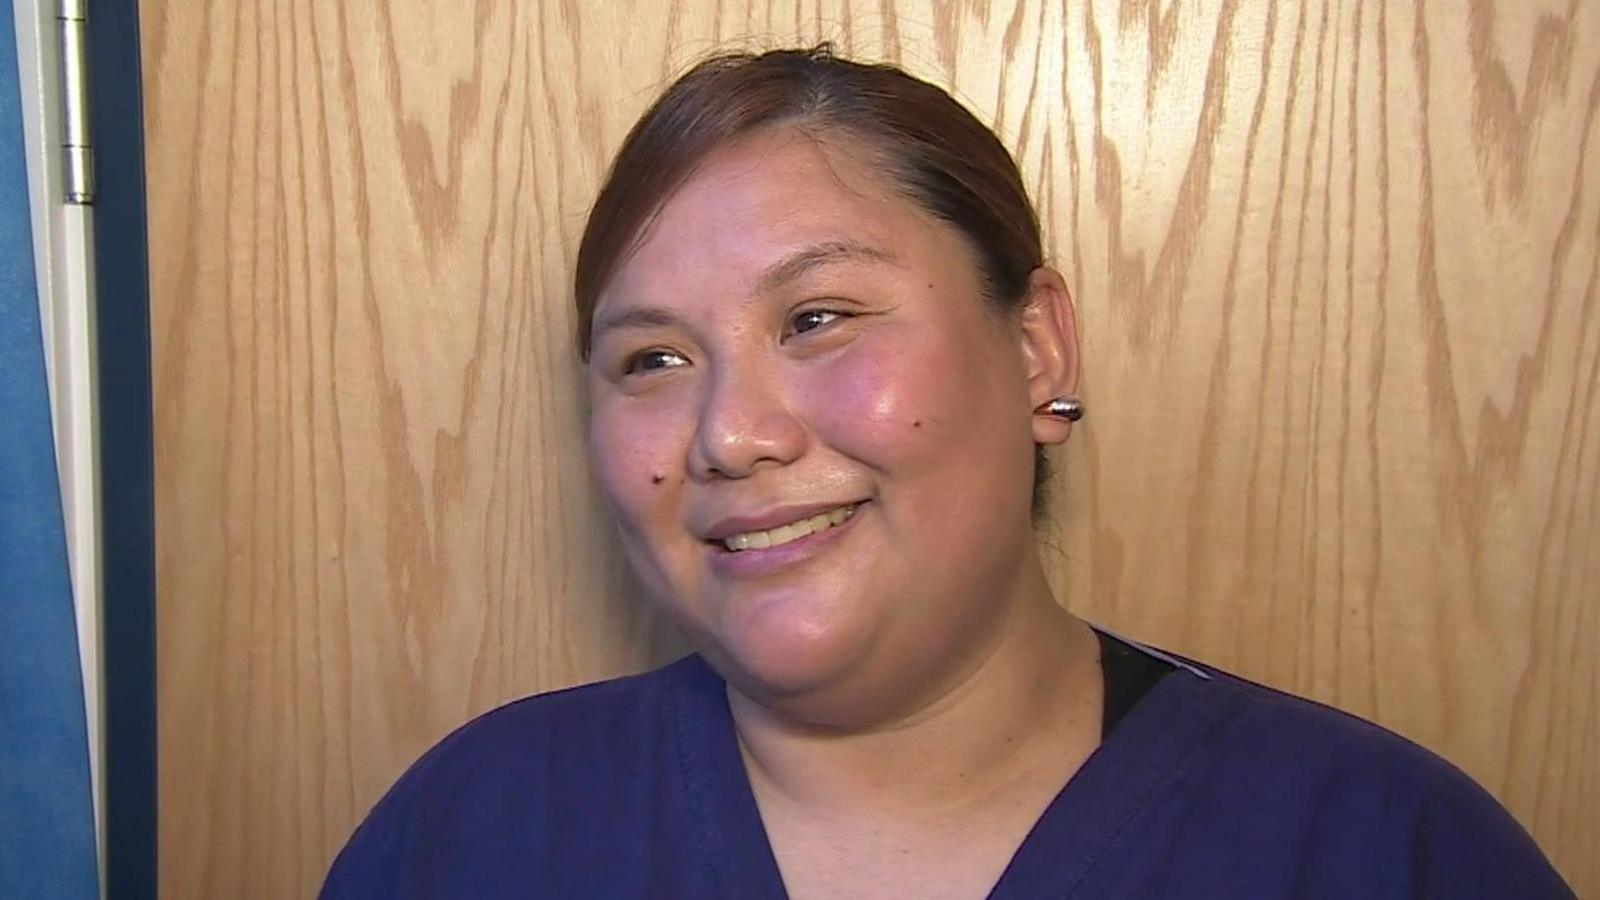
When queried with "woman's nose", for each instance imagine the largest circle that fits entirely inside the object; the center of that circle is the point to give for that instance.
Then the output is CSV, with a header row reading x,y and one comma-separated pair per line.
x,y
745,424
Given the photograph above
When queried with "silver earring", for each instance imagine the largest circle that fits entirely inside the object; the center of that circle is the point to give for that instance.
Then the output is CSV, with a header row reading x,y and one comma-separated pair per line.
x,y
1064,407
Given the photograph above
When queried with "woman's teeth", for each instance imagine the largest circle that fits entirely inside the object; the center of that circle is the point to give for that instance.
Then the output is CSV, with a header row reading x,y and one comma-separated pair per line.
x,y
783,534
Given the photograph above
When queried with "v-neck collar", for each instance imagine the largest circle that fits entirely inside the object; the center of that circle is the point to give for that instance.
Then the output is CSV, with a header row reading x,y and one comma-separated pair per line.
x,y
1082,825
1086,820
722,803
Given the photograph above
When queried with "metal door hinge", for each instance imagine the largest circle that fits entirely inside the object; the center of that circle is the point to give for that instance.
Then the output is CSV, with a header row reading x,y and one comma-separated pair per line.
x,y
73,21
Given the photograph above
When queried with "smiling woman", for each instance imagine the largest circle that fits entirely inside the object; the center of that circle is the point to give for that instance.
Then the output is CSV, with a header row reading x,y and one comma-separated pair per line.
x,y
823,354
793,317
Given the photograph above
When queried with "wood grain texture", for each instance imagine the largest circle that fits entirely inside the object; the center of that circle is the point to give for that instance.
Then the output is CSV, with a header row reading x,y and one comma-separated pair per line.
x,y
1337,272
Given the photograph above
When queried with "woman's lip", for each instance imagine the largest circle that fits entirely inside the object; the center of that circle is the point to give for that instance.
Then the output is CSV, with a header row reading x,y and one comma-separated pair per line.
x,y
768,519
756,562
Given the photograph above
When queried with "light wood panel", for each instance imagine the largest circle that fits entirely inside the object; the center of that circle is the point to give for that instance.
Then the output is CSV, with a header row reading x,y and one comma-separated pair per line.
x,y
1337,270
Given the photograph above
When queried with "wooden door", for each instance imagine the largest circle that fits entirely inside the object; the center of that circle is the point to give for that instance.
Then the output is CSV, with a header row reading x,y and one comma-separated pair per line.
x,y
1337,271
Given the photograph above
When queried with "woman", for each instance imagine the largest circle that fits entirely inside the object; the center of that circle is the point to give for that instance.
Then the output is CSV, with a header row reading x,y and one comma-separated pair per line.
x,y
823,354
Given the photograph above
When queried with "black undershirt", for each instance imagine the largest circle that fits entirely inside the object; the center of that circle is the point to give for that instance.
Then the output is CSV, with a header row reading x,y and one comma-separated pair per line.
x,y
1129,673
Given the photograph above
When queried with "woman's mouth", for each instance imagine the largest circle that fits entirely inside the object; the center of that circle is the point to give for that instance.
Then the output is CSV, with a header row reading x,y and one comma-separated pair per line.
x,y
786,534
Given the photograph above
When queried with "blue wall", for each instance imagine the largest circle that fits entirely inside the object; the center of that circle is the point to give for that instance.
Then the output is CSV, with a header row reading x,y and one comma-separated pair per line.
x,y
46,818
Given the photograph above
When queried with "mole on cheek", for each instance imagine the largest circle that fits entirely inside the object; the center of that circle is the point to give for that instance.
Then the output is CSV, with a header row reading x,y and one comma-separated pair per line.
x,y
657,479
917,424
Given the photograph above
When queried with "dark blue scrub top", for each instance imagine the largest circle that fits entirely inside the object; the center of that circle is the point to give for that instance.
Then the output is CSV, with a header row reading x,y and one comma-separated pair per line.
x,y
1210,787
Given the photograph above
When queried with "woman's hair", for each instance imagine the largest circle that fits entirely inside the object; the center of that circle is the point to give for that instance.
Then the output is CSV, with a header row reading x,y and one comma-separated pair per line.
x,y
935,152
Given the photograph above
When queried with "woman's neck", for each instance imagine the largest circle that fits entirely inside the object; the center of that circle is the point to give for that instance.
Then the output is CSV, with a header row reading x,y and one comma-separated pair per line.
x,y
1026,711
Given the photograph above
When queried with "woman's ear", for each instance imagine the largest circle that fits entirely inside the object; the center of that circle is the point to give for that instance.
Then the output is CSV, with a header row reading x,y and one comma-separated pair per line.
x,y
1048,330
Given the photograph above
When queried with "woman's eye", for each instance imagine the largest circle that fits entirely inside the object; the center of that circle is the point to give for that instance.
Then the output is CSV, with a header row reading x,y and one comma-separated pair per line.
x,y
812,319
653,361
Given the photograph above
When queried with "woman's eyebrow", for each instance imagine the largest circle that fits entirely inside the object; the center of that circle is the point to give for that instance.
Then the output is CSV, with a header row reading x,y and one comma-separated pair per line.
x,y
800,262
774,276
636,317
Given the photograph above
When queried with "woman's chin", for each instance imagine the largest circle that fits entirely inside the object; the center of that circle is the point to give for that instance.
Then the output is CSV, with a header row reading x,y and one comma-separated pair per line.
x,y
782,660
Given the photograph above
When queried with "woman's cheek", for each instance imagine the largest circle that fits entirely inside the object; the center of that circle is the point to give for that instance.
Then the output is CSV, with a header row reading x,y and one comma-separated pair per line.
x,y
876,404
634,451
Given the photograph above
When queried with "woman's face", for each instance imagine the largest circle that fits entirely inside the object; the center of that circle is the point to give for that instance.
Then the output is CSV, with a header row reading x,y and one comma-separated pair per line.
x,y
814,435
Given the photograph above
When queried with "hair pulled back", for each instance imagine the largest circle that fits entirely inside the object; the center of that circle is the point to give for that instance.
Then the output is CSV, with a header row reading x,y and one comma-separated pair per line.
x,y
935,152
938,155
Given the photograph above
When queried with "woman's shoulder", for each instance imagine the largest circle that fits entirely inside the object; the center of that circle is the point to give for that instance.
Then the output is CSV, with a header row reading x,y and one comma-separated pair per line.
x,y
1339,800
584,724
1311,740
547,768
598,707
